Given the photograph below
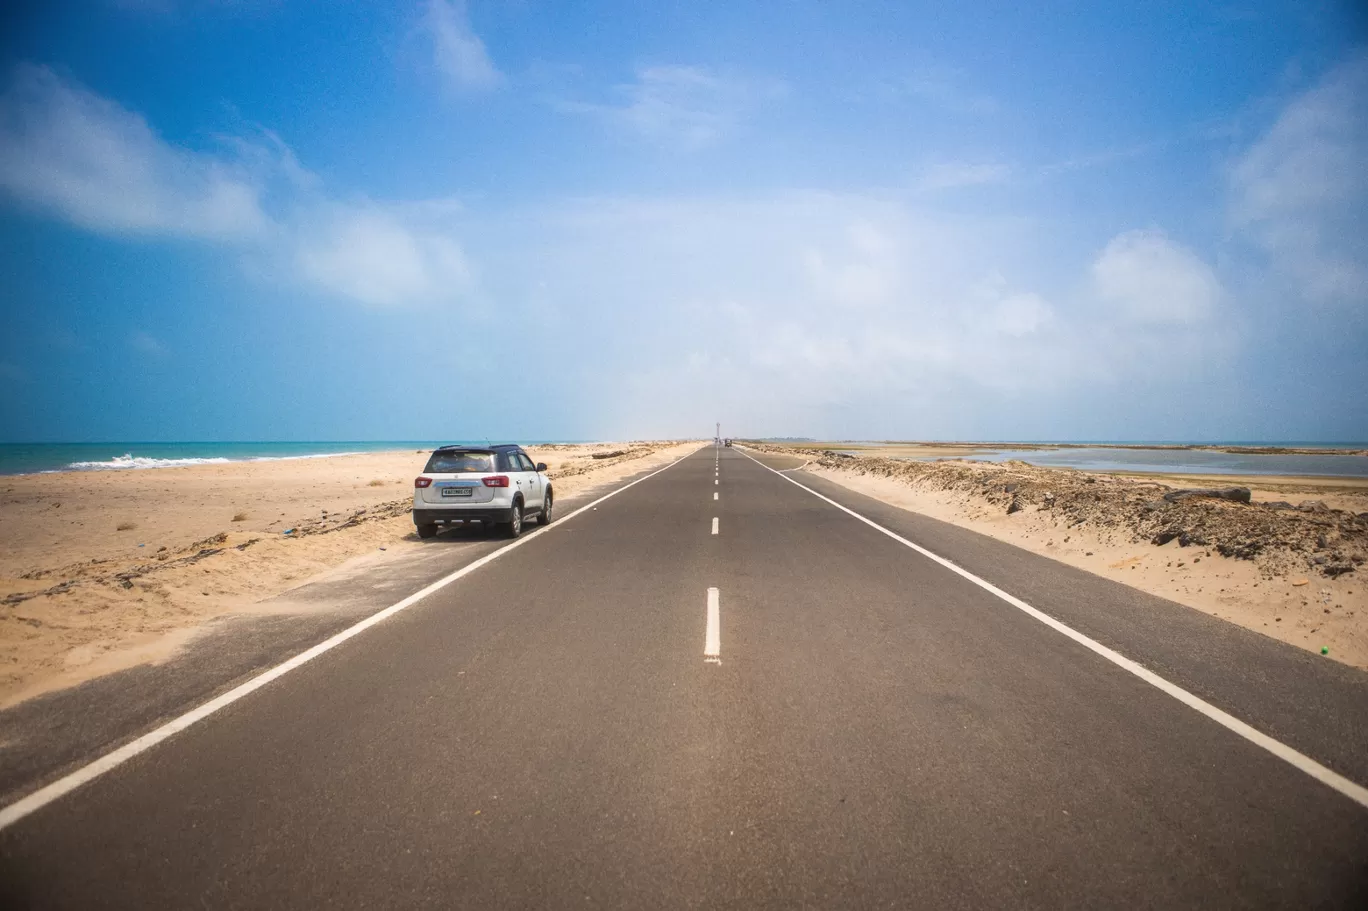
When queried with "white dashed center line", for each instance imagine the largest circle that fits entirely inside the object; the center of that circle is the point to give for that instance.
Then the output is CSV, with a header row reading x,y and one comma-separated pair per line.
x,y
712,640
714,496
714,531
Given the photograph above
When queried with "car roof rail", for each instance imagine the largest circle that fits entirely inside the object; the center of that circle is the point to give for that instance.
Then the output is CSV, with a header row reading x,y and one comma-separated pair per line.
x,y
497,447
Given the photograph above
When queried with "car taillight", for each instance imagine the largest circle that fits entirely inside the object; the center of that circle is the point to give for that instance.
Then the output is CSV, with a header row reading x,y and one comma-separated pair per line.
x,y
422,482
499,480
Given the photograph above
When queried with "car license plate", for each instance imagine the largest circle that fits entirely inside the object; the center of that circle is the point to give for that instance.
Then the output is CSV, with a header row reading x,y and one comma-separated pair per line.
x,y
455,491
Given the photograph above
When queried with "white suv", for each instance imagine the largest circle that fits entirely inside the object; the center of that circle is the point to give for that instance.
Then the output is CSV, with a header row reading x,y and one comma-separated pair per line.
x,y
493,485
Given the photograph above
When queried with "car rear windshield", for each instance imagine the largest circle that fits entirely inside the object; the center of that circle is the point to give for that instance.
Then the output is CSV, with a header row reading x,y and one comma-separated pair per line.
x,y
458,462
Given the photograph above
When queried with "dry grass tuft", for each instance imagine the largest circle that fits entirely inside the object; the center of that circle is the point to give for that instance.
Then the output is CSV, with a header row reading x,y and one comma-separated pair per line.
x,y
240,517
125,526
376,483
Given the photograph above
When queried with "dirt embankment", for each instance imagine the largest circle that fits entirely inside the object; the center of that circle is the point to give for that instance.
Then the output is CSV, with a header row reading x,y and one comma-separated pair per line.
x,y
1292,570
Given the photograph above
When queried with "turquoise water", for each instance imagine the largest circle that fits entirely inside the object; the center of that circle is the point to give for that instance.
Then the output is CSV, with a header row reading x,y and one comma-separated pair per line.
x,y
32,458
1192,461
28,458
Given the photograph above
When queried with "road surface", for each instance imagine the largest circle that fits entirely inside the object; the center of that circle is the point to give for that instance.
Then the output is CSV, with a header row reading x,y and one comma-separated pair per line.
x,y
717,689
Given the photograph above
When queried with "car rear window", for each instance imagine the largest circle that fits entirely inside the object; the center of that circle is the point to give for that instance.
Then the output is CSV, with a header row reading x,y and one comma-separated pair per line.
x,y
459,462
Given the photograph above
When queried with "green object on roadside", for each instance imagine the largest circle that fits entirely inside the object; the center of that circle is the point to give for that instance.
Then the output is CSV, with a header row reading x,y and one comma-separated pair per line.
x,y
1325,649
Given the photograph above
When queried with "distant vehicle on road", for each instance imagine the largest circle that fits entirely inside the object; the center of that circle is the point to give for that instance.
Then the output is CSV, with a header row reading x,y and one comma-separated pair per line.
x,y
728,442
493,485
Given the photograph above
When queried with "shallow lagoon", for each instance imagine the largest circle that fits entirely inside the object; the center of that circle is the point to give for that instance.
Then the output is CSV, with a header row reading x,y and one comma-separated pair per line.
x,y
1185,461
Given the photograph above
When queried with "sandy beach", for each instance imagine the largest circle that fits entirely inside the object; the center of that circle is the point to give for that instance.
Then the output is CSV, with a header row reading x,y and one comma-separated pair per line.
x,y
103,570
930,449
106,569
1295,574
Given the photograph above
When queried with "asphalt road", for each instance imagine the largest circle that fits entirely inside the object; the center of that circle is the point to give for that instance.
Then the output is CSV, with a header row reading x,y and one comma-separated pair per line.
x,y
875,731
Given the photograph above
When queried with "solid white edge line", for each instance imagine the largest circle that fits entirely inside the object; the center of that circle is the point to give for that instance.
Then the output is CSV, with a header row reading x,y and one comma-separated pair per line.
x,y
712,638
714,527
94,769
1299,760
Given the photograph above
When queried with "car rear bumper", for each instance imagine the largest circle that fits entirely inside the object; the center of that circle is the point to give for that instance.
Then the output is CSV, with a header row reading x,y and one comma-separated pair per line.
x,y
495,514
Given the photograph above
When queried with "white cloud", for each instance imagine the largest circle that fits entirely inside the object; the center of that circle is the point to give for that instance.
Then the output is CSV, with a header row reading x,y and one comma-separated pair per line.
x,y
69,151
788,312
457,50
1104,157
953,175
84,158
379,257
1300,192
680,107
860,269
839,313
1147,278
1019,315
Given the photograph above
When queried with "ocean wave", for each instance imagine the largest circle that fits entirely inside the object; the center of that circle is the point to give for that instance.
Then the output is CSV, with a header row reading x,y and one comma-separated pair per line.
x,y
129,461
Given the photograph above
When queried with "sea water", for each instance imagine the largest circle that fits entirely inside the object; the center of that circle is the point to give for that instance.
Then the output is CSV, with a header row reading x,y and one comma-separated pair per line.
x,y
32,458
1191,461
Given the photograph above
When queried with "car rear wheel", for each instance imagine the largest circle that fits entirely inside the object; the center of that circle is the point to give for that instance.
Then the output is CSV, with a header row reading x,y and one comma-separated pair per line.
x,y
545,517
427,531
514,527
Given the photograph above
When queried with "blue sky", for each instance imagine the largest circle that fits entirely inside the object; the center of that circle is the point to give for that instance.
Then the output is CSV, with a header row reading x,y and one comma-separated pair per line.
x,y
505,218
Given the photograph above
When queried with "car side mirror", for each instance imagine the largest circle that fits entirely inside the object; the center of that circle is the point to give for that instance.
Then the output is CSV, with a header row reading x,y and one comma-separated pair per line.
x,y
541,466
